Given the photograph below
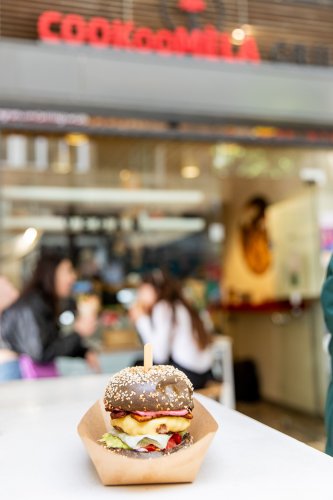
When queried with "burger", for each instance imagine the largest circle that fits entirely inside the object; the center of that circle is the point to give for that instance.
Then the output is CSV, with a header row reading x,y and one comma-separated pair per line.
x,y
150,411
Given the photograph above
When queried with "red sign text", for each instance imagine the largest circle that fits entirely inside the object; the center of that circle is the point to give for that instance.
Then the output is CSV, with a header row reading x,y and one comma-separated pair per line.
x,y
55,27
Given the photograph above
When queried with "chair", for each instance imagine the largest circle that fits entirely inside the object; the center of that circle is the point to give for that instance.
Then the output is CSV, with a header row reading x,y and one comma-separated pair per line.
x,y
222,369
30,369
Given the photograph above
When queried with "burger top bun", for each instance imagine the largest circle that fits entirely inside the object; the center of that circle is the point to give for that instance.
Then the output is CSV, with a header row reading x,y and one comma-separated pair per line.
x,y
161,388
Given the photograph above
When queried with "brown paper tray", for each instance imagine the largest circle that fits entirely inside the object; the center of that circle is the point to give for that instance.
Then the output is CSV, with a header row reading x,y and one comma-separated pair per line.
x,y
179,467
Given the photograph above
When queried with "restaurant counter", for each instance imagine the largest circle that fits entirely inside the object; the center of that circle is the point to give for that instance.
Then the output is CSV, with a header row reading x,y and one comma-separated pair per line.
x,y
41,455
287,349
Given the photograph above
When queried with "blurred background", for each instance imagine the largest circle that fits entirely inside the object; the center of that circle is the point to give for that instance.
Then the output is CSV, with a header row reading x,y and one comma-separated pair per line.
x,y
189,135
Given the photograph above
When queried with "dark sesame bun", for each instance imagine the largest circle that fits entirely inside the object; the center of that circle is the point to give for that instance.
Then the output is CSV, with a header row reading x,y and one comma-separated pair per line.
x,y
162,388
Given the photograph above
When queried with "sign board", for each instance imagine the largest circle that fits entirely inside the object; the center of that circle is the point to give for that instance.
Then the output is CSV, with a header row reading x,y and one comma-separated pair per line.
x,y
207,42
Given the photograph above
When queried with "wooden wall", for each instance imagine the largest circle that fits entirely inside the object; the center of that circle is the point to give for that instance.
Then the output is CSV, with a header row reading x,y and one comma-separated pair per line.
x,y
273,22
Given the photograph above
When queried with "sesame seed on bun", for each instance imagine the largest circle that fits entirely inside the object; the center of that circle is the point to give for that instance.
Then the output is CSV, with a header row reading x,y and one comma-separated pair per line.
x,y
161,388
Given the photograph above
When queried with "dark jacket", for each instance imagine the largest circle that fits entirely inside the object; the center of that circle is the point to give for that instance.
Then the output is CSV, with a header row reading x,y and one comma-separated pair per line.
x,y
29,327
327,302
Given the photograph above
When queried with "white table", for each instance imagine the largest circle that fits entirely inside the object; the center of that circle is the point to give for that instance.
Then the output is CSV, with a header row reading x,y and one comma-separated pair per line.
x,y
42,457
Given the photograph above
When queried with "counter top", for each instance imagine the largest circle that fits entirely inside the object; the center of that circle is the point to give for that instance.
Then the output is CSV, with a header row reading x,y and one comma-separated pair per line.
x,y
274,306
42,457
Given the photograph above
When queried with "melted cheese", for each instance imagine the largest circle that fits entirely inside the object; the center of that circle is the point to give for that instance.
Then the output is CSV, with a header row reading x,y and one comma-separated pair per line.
x,y
135,428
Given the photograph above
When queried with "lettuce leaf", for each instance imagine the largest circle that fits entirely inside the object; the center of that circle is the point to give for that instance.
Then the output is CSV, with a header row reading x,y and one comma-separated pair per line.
x,y
118,439
111,441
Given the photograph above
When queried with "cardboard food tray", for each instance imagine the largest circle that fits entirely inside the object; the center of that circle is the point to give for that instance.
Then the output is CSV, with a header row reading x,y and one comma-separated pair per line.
x,y
179,467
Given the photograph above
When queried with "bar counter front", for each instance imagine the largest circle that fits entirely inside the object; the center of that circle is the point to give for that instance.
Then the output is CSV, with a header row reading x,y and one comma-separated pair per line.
x,y
42,456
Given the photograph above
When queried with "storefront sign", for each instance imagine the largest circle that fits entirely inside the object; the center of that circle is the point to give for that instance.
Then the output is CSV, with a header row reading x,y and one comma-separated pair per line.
x,y
309,2
300,54
38,117
19,119
56,27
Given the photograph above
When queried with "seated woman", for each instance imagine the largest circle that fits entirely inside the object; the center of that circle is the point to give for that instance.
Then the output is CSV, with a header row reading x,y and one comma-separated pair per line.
x,y
164,318
30,326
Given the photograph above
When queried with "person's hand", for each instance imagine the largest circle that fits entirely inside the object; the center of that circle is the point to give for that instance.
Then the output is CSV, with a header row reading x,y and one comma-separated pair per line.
x,y
85,325
136,311
92,361
88,305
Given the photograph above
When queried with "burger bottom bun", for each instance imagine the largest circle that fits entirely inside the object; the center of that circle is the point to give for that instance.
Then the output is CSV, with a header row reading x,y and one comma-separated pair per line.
x,y
186,442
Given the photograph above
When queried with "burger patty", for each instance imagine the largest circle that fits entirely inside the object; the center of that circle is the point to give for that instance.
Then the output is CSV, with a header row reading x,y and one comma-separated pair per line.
x,y
160,425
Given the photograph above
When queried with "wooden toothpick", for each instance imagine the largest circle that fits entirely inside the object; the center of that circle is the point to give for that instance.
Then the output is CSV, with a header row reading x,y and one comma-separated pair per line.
x,y
147,357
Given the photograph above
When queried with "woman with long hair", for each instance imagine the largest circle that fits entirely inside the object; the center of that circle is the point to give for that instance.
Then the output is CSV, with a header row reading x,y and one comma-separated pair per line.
x,y
30,326
172,325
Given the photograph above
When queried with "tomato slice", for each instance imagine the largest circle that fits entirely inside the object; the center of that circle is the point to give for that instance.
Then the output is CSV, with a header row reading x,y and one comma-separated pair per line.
x,y
151,447
174,440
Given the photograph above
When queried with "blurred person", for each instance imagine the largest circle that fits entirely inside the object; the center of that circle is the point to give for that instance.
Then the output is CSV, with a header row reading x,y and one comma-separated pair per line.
x,y
9,363
30,326
164,318
327,304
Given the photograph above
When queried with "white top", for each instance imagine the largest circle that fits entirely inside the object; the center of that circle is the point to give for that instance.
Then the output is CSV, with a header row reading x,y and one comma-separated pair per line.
x,y
42,456
173,338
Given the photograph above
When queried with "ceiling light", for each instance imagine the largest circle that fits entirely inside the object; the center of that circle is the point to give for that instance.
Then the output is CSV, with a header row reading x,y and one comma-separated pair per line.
x,y
238,36
190,172
55,223
104,196
125,175
175,224
76,139
29,236
40,222
126,296
224,155
26,242
67,318
216,232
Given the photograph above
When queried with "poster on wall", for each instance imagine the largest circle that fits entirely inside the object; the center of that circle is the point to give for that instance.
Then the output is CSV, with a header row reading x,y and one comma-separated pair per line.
x,y
254,235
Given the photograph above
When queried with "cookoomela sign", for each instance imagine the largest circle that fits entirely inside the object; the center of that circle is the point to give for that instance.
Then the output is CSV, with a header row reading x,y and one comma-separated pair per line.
x,y
207,42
